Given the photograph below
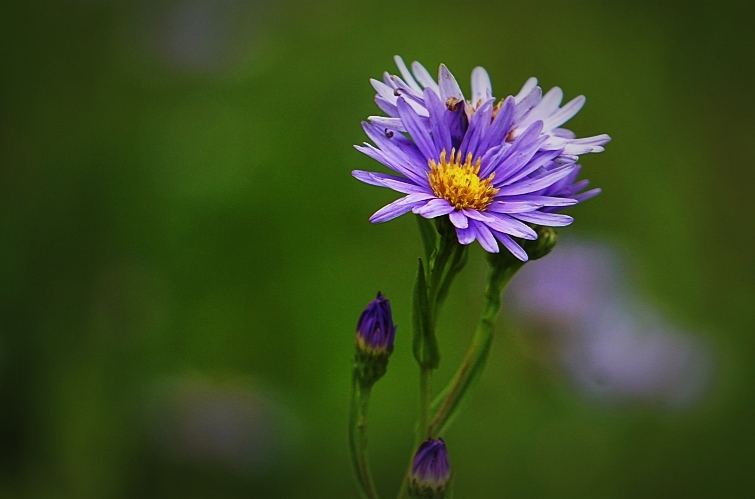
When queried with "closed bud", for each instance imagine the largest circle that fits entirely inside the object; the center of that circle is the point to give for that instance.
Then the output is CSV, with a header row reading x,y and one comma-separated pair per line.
x,y
374,340
431,473
546,240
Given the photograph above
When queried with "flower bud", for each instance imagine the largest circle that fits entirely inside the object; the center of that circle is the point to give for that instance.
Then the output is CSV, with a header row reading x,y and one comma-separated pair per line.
x,y
431,472
374,340
546,240
375,329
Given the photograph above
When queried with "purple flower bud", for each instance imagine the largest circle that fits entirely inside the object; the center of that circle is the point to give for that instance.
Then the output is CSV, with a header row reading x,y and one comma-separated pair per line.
x,y
375,329
431,472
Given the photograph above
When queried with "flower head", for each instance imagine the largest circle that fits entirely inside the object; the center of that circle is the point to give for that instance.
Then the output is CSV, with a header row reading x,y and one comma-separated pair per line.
x,y
494,169
430,470
375,329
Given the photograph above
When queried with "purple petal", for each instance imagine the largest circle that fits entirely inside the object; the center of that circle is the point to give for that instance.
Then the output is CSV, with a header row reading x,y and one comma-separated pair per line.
x,y
399,207
482,90
512,246
587,195
403,167
388,123
547,219
485,237
434,208
478,126
439,126
538,200
503,223
417,130
530,84
384,91
424,77
459,219
512,206
546,107
466,236
564,114
525,104
449,89
563,133
413,97
537,161
406,74
536,183
496,134
386,107
521,151
403,154
390,181
579,149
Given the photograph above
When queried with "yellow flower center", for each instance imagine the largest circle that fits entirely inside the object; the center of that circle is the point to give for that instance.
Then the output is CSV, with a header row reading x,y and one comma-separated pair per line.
x,y
459,183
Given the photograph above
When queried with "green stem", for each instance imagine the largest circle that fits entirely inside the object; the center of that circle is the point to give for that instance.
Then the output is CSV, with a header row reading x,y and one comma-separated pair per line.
x,y
425,397
360,397
439,271
450,400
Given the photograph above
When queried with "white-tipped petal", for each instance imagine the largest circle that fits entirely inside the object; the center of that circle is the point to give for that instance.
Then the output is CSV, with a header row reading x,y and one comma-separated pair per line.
x,y
526,89
424,78
405,74
449,88
482,90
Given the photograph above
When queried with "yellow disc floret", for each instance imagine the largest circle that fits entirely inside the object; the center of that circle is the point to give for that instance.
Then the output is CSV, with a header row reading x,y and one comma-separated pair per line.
x,y
459,183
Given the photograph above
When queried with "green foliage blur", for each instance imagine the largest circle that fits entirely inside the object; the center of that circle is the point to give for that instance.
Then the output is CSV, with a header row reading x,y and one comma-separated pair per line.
x,y
180,237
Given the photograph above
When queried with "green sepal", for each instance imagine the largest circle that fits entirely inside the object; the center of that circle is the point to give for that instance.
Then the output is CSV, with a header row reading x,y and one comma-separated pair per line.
x,y
424,342
370,365
418,490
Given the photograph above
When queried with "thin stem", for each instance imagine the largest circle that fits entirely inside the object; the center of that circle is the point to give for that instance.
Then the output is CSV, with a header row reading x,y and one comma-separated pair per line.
x,y
446,261
360,397
425,397
439,264
469,372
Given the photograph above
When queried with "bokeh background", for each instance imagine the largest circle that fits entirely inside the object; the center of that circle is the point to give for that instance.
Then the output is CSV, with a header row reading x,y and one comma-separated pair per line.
x,y
184,255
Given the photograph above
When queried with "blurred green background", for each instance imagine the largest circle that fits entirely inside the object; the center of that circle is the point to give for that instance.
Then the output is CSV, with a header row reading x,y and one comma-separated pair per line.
x,y
184,254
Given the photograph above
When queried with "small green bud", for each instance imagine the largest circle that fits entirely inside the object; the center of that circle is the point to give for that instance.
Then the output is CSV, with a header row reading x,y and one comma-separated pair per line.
x,y
546,240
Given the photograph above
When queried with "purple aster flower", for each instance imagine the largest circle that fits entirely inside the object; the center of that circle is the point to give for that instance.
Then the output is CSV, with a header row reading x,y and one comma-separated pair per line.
x,y
430,470
375,329
468,162
530,105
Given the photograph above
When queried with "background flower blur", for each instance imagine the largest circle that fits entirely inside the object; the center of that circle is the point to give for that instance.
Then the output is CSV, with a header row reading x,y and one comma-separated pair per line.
x,y
184,253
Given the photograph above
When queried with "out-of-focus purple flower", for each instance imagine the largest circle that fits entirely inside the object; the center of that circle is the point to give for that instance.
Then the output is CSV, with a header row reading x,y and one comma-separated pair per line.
x,y
199,423
375,329
610,343
483,164
199,36
575,282
431,471
623,355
